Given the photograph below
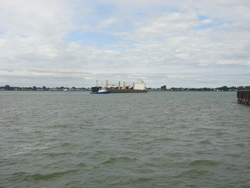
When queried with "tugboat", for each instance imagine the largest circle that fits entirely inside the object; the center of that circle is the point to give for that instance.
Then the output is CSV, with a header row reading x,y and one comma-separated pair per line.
x,y
98,89
101,91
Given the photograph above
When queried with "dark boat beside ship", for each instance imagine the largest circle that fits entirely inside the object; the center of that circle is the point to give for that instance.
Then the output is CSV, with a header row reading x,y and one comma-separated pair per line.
x,y
99,90
137,87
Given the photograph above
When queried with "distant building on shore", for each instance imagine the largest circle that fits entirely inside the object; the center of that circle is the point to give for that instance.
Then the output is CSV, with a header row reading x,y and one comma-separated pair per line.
x,y
164,87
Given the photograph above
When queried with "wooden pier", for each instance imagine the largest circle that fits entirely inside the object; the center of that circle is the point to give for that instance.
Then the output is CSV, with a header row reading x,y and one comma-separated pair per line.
x,y
243,97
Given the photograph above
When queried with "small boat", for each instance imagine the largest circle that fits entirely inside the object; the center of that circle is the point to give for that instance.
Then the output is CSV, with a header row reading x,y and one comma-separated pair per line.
x,y
101,91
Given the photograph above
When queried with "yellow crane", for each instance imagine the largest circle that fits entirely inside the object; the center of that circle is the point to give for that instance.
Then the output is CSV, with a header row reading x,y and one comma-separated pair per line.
x,y
118,85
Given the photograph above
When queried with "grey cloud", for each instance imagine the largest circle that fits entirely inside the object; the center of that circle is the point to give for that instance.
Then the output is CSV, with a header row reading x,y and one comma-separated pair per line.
x,y
162,46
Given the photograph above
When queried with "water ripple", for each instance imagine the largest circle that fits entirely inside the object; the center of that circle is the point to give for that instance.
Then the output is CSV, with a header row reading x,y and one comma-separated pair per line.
x,y
159,139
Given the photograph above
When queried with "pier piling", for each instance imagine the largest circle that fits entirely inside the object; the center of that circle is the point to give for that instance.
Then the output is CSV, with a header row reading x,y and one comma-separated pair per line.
x,y
243,97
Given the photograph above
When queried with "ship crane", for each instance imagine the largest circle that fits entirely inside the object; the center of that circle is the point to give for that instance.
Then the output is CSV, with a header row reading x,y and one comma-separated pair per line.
x,y
124,85
107,84
97,83
118,85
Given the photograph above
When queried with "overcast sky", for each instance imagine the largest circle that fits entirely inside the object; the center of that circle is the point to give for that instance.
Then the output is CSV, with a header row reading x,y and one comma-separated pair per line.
x,y
181,43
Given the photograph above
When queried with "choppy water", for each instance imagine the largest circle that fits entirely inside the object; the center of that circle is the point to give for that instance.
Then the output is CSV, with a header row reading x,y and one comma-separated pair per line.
x,y
158,139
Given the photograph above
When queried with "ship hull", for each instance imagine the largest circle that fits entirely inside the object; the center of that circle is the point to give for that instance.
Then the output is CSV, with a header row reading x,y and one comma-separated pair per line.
x,y
104,92
95,89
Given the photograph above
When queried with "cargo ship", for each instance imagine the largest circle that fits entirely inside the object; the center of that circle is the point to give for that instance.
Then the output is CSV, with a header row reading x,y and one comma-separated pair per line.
x,y
137,87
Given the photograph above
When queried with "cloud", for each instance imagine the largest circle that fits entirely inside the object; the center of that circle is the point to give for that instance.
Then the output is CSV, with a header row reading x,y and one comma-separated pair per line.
x,y
106,23
192,43
232,62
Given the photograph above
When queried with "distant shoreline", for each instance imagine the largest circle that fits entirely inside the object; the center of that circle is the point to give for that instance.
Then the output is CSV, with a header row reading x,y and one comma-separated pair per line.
x,y
90,90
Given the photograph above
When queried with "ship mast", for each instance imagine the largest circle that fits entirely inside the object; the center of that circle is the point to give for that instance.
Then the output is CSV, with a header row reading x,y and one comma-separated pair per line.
x,y
107,83
119,85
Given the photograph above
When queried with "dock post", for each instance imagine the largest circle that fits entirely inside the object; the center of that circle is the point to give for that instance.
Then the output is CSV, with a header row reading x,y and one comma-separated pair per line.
x,y
243,97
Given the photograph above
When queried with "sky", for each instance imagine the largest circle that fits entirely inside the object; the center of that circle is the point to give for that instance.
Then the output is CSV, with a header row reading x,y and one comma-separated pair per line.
x,y
181,43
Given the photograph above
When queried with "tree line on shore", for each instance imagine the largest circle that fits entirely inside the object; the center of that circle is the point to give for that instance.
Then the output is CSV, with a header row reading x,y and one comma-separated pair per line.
x,y
162,88
223,88
44,88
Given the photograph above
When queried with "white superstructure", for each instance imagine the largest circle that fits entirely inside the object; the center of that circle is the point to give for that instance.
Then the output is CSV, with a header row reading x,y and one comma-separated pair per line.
x,y
139,85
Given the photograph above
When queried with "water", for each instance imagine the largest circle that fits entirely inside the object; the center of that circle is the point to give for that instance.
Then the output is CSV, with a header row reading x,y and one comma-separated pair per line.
x,y
158,139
